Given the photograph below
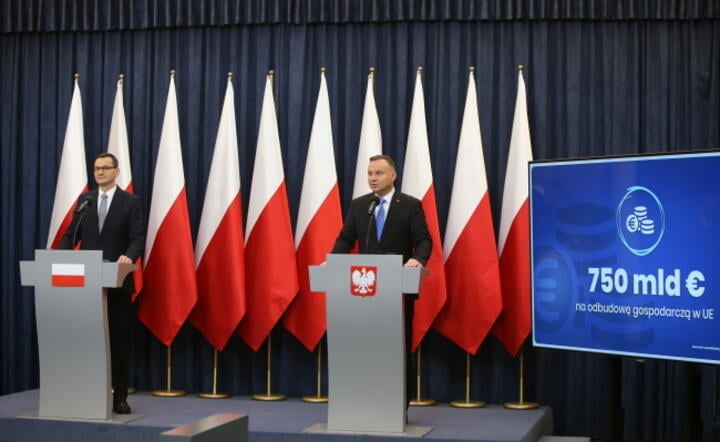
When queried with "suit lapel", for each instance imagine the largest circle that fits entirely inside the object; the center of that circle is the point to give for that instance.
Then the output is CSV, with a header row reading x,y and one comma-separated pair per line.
x,y
91,216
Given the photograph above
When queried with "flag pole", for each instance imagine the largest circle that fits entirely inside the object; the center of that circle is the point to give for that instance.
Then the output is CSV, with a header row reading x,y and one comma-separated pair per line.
x,y
269,395
419,401
521,404
318,398
467,403
121,81
214,394
169,392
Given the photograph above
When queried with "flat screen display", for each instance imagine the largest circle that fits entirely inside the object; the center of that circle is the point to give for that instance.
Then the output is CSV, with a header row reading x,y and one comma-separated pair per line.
x,y
626,255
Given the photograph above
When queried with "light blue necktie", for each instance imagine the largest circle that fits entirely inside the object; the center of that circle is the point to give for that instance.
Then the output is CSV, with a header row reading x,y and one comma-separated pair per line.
x,y
380,219
102,212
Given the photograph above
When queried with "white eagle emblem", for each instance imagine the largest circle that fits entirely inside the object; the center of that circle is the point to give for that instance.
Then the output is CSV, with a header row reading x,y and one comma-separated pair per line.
x,y
363,281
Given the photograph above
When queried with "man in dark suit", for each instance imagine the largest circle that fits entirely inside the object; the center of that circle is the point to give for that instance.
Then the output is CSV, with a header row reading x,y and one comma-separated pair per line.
x,y
388,222
111,221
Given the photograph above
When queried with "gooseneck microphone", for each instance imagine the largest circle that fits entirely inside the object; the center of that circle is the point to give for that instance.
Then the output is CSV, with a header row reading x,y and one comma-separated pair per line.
x,y
371,215
82,210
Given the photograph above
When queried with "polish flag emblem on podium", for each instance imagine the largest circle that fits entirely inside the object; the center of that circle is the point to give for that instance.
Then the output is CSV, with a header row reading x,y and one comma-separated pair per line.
x,y
362,280
68,275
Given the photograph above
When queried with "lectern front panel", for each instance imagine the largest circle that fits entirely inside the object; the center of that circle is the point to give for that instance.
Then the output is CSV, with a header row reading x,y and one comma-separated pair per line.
x,y
366,347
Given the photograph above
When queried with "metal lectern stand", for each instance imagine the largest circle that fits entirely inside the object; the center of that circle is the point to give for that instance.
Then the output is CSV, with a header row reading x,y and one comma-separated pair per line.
x,y
366,340
73,344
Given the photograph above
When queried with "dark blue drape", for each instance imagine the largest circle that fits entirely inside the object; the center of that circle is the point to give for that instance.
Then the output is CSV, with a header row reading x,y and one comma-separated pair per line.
x,y
646,81
106,15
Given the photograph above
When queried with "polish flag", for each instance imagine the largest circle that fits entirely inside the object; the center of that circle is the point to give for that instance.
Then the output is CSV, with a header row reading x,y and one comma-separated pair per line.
x,y
169,290
271,269
370,139
68,275
418,182
513,324
118,145
474,297
220,246
72,176
319,220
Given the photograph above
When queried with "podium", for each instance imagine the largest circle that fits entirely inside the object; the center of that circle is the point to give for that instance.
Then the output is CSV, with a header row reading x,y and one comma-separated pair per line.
x,y
366,340
72,328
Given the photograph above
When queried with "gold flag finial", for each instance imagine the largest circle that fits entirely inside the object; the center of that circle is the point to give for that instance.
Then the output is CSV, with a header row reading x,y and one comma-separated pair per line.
x,y
520,67
172,73
230,75
372,70
271,73
323,70
121,78
76,76
419,70
471,69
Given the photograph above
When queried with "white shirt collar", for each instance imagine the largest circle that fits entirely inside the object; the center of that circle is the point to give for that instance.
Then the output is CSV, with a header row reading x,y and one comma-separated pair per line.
x,y
388,199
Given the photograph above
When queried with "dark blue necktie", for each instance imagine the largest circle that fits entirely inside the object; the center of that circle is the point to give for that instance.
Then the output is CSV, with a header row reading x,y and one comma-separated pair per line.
x,y
380,219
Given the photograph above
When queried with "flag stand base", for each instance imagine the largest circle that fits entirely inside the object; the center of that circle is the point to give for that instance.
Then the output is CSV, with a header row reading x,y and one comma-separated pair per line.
x,y
467,404
169,393
268,397
214,395
521,405
315,399
422,402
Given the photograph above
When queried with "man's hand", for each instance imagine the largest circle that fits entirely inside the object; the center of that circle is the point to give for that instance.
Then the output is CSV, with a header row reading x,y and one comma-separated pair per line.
x,y
412,262
124,260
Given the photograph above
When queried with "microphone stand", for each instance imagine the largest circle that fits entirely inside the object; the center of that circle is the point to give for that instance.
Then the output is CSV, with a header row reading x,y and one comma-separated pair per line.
x,y
371,214
77,224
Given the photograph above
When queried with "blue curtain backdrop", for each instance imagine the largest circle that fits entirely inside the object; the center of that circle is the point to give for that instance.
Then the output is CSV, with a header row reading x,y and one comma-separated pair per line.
x,y
603,78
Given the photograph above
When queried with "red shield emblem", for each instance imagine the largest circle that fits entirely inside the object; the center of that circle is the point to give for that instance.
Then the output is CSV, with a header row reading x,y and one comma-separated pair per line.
x,y
363,280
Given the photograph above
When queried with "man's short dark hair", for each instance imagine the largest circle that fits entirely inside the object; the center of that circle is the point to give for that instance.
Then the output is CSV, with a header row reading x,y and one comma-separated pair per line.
x,y
387,158
108,155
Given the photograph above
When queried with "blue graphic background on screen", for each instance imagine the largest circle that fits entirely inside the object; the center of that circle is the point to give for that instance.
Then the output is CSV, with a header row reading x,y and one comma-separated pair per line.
x,y
575,208
553,289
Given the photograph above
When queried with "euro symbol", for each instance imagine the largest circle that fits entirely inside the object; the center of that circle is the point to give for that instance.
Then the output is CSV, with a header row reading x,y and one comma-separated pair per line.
x,y
692,283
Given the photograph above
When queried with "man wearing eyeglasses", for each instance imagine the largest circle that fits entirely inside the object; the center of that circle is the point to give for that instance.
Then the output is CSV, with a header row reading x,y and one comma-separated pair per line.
x,y
111,220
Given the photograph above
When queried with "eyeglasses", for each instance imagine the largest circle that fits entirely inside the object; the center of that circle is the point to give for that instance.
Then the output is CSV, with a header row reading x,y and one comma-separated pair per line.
x,y
103,168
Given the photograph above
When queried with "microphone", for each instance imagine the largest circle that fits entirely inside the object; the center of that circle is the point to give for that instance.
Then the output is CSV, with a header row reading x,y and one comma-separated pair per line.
x,y
371,215
373,205
81,209
83,205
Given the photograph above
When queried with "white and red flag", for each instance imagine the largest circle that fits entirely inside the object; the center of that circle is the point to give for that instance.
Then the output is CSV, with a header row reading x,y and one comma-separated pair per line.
x,y
220,245
169,285
67,275
513,324
418,182
474,298
271,269
72,176
318,223
119,146
370,139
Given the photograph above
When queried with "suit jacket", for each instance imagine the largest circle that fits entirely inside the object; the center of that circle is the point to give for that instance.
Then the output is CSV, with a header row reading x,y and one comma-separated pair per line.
x,y
123,232
405,231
